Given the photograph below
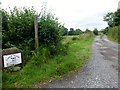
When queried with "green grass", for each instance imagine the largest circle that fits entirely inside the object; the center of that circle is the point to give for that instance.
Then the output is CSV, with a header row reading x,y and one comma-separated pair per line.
x,y
0,80
68,38
113,34
78,53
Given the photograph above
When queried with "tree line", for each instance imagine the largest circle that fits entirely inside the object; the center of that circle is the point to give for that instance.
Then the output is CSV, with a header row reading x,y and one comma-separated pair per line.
x,y
113,29
73,31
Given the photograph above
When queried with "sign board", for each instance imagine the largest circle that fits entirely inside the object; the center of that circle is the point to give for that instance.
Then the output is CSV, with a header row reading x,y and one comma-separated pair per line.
x,y
12,59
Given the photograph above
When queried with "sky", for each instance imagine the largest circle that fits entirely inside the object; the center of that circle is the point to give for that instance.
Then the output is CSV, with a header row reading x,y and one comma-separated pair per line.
x,y
75,14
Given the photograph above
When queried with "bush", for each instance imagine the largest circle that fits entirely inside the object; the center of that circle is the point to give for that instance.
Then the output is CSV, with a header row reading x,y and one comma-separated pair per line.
x,y
75,38
95,31
18,31
50,31
113,34
18,28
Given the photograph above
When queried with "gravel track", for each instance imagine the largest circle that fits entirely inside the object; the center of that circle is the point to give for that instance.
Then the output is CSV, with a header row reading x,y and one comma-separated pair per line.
x,y
101,71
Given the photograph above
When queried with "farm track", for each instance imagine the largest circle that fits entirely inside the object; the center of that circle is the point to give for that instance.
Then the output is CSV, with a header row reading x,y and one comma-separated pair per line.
x,y
101,71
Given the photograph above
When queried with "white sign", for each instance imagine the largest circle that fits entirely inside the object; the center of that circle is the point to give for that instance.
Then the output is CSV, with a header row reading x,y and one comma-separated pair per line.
x,y
12,59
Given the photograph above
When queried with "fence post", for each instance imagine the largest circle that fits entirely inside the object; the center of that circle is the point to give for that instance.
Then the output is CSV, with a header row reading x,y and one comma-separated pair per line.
x,y
36,32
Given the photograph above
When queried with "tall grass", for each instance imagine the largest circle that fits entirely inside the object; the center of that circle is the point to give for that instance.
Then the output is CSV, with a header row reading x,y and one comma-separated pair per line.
x,y
78,53
113,34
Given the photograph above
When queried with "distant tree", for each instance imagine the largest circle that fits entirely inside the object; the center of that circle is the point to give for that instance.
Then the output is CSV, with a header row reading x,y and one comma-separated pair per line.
x,y
105,31
95,31
78,31
65,31
87,30
71,32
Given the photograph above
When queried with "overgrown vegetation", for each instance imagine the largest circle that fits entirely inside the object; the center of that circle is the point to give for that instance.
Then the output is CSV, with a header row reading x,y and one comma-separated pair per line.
x,y
36,72
113,29
18,28
113,34
18,31
56,55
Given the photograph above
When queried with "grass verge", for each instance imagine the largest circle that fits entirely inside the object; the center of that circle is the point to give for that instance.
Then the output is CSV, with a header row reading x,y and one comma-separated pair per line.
x,y
78,53
113,34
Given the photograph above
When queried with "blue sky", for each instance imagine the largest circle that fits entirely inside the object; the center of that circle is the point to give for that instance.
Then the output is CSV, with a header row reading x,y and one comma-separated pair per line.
x,y
73,13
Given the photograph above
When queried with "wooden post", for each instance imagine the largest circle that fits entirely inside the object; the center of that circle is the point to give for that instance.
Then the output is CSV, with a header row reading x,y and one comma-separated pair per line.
x,y
36,32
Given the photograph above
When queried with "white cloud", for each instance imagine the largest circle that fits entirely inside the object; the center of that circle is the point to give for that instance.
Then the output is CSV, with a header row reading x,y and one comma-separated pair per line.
x,y
74,13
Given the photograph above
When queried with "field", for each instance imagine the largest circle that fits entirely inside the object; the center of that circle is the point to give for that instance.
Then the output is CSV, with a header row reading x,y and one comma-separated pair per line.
x,y
78,53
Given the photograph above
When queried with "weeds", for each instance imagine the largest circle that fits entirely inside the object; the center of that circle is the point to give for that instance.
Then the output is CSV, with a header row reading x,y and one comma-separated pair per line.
x,y
41,67
113,34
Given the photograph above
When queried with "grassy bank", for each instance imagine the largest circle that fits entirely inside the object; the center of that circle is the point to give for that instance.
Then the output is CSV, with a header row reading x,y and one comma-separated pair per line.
x,y
113,34
78,53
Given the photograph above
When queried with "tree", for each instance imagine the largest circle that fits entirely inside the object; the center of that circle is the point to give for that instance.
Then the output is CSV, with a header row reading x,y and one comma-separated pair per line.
x,y
117,17
71,32
95,31
109,18
113,20
65,31
105,31
78,31
87,30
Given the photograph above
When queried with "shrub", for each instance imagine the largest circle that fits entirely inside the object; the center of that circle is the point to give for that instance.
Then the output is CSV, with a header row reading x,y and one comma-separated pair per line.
x,y
18,31
113,34
95,31
18,28
50,30
75,38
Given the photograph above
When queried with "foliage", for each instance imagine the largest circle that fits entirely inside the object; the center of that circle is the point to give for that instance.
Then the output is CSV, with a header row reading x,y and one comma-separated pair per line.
x,y
71,32
95,31
87,31
33,73
113,34
65,31
86,35
78,32
75,32
50,30
117,17
109,18
75,38
18,31
18,28
105,31
113,20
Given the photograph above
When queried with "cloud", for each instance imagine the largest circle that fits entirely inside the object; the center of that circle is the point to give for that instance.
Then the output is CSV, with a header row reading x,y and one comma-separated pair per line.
x,y
74,13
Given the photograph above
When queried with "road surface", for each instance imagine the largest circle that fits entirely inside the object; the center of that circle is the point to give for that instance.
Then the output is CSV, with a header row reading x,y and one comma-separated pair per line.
x,y
101,71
